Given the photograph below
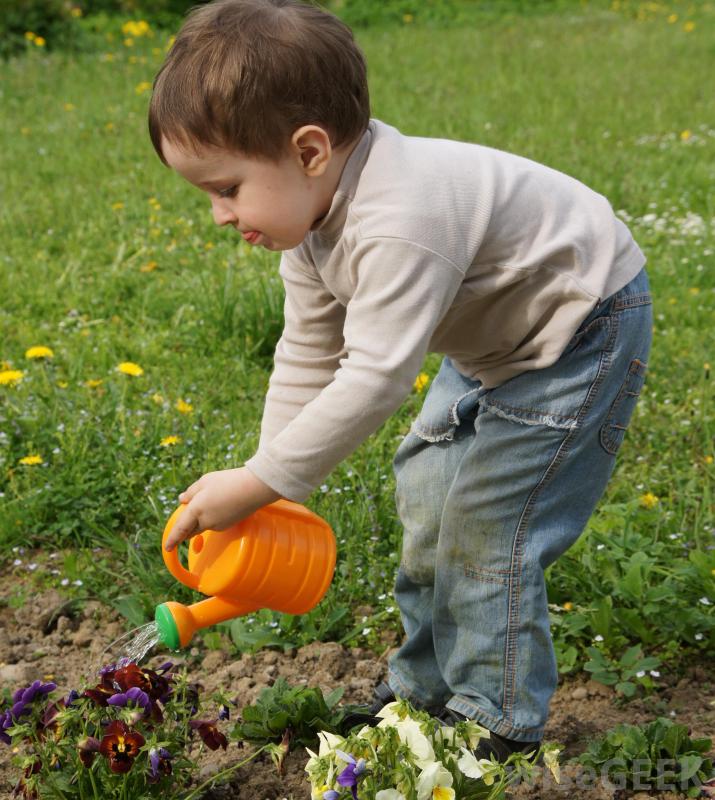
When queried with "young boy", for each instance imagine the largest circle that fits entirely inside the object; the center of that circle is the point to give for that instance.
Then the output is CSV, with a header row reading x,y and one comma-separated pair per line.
x,y
393,246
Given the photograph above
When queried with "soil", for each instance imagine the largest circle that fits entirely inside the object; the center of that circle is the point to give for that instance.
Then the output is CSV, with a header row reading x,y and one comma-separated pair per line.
x,y
51,639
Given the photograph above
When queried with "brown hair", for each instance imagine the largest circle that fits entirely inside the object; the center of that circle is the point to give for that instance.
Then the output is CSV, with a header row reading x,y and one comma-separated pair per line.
x,y
244,74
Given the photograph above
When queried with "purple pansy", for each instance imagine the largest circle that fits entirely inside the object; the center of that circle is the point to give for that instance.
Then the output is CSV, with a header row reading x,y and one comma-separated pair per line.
x,y
134,695
223,712
350,775
6,721
71,697
331,794
24,697
159,763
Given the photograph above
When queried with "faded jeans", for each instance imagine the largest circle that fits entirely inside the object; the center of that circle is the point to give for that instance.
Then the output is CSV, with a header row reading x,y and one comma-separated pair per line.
x,y
492,486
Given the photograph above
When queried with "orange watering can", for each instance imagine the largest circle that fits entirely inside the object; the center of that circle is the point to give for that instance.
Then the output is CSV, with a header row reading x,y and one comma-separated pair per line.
x,y
281,557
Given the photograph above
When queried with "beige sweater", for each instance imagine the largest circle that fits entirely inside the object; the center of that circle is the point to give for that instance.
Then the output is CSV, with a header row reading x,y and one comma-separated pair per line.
x,y
429,245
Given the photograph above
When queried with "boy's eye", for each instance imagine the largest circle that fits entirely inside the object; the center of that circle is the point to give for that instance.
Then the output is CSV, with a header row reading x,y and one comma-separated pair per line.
x,y
230,192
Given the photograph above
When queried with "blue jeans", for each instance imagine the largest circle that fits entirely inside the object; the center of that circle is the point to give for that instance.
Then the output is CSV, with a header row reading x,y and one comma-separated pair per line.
x,y
492,486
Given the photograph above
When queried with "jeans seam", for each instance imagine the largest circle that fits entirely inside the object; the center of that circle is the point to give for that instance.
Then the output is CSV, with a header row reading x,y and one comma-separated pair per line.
x,y
476,712
510,661
632,301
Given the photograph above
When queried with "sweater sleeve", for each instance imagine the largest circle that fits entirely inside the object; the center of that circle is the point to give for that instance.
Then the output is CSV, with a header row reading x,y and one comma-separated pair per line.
x,y
308,352
401,292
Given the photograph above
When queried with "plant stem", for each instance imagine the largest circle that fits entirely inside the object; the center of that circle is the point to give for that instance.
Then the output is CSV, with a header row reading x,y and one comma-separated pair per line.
x,y
220,775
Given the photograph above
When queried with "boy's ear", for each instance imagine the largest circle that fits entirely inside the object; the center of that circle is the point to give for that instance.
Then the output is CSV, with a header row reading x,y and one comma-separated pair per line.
x,y
311,144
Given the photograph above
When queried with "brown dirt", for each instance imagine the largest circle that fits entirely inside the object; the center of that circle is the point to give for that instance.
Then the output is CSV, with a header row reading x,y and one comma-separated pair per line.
x,y
47,637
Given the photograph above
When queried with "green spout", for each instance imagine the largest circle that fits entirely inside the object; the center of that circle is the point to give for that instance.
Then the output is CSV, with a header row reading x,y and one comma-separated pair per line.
x,y
168,632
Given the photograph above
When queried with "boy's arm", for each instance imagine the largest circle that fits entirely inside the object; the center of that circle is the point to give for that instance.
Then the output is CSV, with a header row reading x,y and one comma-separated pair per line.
x,y
402,291
309,350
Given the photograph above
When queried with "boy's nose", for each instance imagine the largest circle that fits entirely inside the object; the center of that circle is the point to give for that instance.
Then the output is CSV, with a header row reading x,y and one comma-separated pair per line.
x,y
222,213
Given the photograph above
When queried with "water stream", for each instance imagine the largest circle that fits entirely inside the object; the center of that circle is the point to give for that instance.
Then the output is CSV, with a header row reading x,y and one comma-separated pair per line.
x,y
131,646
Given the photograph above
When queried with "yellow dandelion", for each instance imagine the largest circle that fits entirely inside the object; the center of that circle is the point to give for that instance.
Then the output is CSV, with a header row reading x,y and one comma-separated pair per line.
x,y
154,203
157,398
93,383
130,368
150,266
108,57
10,377
567,606
30,36
706,367
39,41
183,407
170,441
708,459
407,18
70,106
689,26
171,246
142,87
649,500
694,290
76,11
672,19
209,246
31,460
109,126
39,351
685,135
62,384
117,206
421,381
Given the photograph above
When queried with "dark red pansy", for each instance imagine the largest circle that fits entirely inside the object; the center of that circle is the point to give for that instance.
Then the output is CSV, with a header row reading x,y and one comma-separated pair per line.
x,y
121,746
209,733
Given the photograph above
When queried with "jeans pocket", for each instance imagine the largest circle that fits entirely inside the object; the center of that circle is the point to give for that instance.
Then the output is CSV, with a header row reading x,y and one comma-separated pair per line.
x,y
619,414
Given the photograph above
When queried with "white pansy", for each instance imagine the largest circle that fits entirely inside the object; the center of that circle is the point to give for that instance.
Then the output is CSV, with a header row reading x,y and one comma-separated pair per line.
x,y
475,732
328,742
389,713
432,777
410,734
389,794
474,767
551,760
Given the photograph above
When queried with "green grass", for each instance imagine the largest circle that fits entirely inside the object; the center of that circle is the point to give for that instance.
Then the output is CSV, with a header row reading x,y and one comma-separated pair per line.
x,y
622,104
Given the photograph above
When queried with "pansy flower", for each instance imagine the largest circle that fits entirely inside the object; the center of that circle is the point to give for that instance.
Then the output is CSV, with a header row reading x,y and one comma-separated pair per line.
x,y
159,763
88,749
351,774
120,746
209,733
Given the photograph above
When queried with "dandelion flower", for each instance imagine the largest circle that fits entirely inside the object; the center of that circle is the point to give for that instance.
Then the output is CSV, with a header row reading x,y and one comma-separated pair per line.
x,y
117,206
183,407
129,42
93,383
421,381
567,606
39,351
157,398
31,460
69,106
689,26
672,19
30,36
150,266
685,135
708,459
649,500
76,11
170,441
407,18
130,368
142,87
10,377
62,384
39,41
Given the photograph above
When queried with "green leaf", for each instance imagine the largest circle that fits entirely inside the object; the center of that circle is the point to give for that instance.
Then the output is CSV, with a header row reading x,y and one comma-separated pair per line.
x,y
674,739
689,765
629,658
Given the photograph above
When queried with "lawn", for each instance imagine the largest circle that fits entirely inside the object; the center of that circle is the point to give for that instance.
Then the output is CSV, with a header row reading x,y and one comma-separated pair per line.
x,y
109,259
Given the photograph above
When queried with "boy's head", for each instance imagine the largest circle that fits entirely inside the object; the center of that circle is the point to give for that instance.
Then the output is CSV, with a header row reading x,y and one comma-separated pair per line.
x,y
243,75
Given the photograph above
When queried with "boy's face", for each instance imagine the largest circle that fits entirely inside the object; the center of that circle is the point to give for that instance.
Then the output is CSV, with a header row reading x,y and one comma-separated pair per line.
x,y
271,203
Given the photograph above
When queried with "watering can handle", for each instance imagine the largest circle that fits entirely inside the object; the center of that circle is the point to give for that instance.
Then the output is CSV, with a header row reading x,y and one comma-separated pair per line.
x,y
171,558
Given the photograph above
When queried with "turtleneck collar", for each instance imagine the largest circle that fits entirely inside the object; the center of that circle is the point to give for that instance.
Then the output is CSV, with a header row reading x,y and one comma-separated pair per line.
x,y
332,223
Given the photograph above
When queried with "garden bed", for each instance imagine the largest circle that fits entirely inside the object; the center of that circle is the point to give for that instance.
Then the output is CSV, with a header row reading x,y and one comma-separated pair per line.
x,y
51,637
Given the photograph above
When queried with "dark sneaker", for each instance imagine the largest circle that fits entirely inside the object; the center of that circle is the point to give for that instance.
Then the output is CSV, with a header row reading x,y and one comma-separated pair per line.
x,y
498,746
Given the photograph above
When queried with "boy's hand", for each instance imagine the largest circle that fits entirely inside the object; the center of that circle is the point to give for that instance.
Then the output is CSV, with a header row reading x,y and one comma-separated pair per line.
x,y
217,500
